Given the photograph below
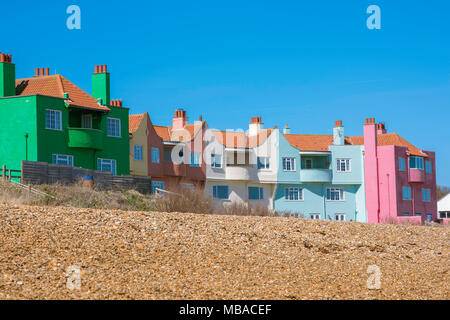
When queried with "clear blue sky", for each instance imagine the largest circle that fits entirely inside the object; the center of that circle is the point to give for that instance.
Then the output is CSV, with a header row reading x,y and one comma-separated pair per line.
x,y
306,63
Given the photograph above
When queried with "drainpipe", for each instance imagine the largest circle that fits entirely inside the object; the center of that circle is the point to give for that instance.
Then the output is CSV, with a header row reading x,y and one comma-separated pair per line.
x,y
26,146
413,200
389,195
324,202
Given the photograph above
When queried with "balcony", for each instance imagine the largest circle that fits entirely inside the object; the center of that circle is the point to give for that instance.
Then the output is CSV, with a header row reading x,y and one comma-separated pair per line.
x,y
85,138
174,169
416,175
315,175
237,172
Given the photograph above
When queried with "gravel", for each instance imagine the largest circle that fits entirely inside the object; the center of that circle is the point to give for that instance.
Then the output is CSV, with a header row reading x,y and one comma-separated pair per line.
x,y
148,255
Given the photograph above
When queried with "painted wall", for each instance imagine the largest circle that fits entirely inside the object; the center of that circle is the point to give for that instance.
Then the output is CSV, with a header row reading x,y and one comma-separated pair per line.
x,y
139,137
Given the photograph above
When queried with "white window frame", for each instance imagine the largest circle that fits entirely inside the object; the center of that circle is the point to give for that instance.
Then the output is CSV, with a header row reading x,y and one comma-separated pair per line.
x,y
155,155
339,216
111,162
339,192
347,165
402,160
196,156
265,162
315,216
214,162
444,214
217,192
138,151
119,127
54,112
58,159
408,193
288,191
416,162
86,117
291,161
260,193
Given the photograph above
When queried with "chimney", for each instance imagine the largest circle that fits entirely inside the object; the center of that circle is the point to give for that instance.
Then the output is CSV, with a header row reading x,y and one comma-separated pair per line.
x,y
255,126
371,176
286,129
101,84
338,133
381,128
7,76
116,103
179,120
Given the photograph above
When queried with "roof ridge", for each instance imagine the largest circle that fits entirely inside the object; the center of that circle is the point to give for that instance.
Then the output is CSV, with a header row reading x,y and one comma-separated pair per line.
x,y
60,84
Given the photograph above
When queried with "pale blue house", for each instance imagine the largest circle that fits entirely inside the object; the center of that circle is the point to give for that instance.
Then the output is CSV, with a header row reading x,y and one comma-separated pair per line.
x,y
321,176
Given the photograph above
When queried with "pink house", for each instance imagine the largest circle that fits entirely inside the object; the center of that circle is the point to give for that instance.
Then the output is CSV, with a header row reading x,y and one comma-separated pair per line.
x,y
400,178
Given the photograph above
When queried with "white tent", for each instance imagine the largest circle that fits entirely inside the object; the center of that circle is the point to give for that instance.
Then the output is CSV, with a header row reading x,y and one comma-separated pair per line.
x,y
444,207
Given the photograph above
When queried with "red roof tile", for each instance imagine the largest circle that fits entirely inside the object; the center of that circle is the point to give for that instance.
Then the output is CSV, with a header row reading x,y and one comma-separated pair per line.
x,y
134,120
188,133
55,86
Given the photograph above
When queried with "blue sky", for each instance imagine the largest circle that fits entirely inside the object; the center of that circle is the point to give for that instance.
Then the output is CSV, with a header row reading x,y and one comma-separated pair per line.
x,y
305,63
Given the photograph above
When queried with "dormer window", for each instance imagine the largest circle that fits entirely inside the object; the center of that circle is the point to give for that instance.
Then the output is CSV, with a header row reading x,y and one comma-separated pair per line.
x,y
416,162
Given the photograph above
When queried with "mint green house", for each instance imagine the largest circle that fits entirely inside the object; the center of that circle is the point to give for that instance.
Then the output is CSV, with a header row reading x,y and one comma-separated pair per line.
x,y
49,119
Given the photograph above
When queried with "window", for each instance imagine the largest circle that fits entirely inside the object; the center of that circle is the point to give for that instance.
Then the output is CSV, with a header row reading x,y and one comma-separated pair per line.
x,y
315,216
187,186
343,165
155,155
418,214
62,159
263,162
406,191
416,162
216,160
426,195
429,217
294,215
289,164
444,215
195,159
138,153
255,193
401,164
308,163
428,168
406,214
86,121
339,217
335,194
113,127
220,192
53,119
293,194
157,185
107,165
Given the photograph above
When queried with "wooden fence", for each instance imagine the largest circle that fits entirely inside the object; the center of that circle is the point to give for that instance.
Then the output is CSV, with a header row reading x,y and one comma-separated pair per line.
x,y
45,173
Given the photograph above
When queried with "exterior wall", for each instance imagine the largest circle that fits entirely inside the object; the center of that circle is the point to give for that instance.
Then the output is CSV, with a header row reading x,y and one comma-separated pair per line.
x,y
139,137
7,79
20,115
17,118
285,151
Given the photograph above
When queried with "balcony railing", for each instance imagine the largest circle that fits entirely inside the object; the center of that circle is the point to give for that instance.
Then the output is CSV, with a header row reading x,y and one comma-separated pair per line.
x,y
238,172
174,169
315,175
85,138
416,175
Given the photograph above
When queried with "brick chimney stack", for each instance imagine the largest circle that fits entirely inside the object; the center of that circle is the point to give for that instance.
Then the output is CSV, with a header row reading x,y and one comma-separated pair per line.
x,y
381,128
255,126
179,120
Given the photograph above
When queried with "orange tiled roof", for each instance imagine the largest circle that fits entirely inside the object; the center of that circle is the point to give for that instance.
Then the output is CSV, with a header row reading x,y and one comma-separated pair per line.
x,y
232,139
316,142
55,86
134,120
311,142
167,134
388,139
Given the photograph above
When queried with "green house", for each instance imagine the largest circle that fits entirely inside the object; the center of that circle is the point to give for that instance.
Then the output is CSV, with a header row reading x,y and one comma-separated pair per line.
x,y
48,118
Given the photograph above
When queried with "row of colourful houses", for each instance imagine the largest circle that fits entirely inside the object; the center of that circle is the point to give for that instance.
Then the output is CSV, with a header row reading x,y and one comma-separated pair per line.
x,y
376,177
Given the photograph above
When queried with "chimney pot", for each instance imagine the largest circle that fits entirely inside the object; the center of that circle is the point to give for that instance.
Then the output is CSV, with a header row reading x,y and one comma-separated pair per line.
x,y
36,72
104,68
47,71
338,123
42,72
